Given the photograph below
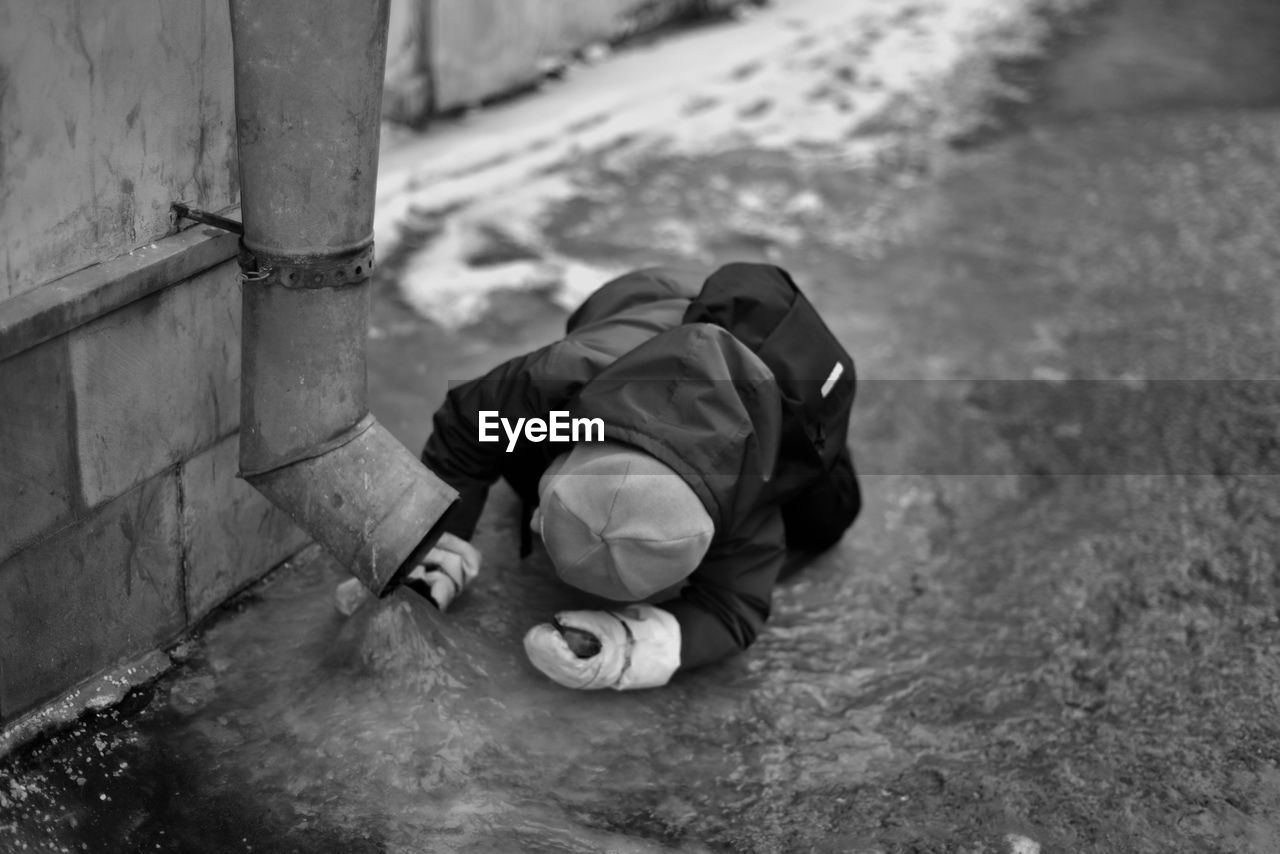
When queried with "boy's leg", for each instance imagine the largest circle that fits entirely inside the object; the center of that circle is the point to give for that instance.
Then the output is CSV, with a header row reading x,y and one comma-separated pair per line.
x,y
817,519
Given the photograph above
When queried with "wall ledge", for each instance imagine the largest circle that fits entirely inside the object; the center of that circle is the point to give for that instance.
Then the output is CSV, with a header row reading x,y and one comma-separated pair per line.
x,y
108,687
101,691
57,307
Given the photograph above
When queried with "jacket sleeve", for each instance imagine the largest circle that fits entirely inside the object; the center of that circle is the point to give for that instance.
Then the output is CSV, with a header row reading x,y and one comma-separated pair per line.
x,y
817,518
524,387
726,603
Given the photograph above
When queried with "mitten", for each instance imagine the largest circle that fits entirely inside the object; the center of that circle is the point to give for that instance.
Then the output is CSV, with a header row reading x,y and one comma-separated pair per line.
x,y
445,572
638,647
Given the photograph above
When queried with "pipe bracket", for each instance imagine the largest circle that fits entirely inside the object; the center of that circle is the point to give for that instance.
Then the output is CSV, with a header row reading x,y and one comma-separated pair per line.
x,y
182,211
319,271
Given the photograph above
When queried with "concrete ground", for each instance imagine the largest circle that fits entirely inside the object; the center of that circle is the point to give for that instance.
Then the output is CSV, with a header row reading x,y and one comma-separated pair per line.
x,y
1055,627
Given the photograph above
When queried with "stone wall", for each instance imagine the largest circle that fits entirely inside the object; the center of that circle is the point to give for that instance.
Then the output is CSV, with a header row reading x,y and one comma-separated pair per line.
x,y
122,522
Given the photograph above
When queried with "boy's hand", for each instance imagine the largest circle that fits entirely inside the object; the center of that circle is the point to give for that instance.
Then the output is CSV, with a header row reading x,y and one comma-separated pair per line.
x,y
637,647
442,575
447,569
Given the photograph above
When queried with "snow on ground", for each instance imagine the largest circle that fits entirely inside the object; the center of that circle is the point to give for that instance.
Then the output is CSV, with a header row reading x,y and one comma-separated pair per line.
x,y
843,79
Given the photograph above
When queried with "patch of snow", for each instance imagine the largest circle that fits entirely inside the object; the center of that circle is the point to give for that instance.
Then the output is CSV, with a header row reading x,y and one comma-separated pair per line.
x,y
845,79
1021,844
443,282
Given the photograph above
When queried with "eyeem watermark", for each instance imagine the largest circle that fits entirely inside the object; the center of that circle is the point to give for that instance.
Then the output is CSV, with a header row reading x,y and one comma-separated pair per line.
x,y
558,427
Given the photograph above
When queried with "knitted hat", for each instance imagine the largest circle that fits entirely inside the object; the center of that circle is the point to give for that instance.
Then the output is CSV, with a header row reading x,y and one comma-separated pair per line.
x,y
620,524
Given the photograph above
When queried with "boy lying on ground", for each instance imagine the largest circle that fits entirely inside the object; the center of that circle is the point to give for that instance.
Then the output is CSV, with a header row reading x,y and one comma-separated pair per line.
x,y
724,406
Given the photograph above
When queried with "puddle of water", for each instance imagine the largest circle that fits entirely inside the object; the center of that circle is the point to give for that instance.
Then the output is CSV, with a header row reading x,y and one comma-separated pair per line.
x,y
291,728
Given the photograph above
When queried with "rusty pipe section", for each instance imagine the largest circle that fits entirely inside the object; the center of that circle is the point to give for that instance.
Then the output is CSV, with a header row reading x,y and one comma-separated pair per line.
x,y
308,83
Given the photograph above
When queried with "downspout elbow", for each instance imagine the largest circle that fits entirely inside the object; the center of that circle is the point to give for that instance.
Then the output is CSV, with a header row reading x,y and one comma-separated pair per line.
x,y
368,501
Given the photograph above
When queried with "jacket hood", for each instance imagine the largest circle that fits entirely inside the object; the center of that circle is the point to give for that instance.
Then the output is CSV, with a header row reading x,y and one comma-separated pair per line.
x,y
700,402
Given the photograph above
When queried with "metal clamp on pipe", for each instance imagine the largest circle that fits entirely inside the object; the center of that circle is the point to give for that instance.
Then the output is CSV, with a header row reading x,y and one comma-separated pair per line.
x,y
324,271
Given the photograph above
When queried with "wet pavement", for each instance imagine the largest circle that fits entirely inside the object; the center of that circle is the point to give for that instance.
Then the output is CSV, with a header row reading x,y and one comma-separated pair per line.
x,y
1055,627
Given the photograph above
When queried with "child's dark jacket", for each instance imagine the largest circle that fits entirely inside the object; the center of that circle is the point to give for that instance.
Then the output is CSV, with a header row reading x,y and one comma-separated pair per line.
x,y
692,395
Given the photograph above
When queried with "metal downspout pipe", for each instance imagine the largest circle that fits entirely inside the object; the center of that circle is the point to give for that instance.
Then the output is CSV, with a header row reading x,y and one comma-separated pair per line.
x,y
308,86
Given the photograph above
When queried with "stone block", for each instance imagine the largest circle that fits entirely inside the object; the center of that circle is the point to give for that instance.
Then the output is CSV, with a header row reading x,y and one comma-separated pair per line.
x,y
156,381
96,592
37,466
145,117
507,35
233,534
